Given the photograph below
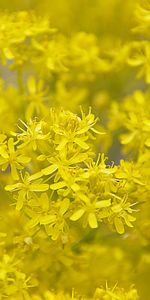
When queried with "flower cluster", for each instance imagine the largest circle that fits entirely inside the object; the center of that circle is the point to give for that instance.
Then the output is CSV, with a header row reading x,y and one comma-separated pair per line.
x,y
74,150
62,183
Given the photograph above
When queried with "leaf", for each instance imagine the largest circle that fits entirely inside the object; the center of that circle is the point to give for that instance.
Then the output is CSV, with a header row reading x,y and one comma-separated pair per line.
x,y
92,220
77,215
49,170
119,225
58,185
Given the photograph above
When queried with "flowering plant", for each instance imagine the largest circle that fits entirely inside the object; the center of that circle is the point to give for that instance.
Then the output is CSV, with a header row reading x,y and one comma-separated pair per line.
x,y
74,152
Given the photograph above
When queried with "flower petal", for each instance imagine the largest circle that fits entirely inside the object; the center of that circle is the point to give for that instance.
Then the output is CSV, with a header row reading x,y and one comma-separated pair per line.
x,y
92,220
77,215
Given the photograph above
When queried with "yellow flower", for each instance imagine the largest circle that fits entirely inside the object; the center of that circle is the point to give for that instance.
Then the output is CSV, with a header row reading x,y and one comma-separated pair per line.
x,y
26,188
32,135
89,210
37,98
139,56
13,158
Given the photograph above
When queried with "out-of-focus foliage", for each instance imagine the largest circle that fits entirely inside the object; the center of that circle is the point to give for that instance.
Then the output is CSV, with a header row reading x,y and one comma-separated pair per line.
x,y
74,150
